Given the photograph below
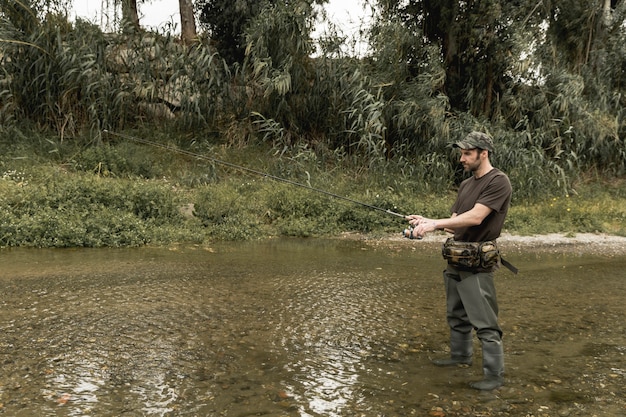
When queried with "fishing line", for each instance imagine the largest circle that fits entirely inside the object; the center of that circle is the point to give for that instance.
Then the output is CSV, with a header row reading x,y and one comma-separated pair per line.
x,y
253,171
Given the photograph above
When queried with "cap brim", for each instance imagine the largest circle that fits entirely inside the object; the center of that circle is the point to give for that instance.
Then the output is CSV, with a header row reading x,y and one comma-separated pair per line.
x,y
463,145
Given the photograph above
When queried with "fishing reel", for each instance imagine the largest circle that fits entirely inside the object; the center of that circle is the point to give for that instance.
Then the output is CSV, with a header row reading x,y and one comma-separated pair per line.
x,y
408,233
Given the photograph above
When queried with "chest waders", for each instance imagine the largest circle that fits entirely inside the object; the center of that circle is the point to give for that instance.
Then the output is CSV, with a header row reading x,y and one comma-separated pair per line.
x,y
471,304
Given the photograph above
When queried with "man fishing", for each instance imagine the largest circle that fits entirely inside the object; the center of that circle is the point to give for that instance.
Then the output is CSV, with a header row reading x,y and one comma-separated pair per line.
x,y
476,221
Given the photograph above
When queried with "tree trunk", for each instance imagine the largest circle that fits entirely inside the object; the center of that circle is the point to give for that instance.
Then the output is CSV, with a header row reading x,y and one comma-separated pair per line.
x,y
130,17
187,22
606,13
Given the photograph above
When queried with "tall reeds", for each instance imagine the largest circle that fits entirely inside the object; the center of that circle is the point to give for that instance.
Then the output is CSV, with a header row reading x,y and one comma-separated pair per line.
x,y
387,112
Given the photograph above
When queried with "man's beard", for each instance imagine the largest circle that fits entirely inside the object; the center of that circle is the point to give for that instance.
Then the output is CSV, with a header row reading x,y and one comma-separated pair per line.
x,y
473,166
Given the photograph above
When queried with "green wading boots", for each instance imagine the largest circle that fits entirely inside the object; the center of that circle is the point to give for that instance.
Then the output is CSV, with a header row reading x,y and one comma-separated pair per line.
x,y
493,366
461,350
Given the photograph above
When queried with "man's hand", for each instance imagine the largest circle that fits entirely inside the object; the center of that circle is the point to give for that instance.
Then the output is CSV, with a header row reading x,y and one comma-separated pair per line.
x,y
414,219
425,226
421,225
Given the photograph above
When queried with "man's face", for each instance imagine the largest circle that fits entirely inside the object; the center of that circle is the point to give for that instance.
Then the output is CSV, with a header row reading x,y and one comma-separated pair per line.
x,y
470,158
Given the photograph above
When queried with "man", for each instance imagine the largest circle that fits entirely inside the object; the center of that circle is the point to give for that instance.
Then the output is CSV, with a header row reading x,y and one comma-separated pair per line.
x,y
477,216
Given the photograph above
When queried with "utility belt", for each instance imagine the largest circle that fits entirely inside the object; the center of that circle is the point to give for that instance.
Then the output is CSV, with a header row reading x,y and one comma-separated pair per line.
x,y
474,256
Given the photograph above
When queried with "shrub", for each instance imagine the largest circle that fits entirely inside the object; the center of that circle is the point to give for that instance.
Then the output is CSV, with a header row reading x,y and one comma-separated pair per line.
x,y
85,210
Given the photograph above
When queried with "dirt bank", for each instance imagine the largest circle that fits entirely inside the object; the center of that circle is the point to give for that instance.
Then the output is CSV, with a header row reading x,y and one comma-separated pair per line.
x,y
589,243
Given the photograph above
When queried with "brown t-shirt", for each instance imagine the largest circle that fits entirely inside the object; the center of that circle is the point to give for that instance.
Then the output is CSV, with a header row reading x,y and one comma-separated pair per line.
x,y
492,190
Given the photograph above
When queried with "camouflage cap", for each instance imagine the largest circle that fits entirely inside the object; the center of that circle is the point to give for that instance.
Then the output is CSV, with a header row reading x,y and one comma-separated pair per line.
x,y
475,140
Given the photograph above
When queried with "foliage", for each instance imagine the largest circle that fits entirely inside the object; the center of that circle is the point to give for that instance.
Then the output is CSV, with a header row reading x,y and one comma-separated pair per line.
x,y
475,46
69,210
591,212
552,97
278,65
47,204
225,21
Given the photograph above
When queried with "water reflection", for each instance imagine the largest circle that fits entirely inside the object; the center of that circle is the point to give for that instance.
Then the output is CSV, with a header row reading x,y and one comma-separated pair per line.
x,y
151,380
337,322
80,384
326,344
330,383
97,370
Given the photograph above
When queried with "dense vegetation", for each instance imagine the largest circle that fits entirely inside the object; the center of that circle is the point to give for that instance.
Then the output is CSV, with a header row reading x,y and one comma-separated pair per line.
x,y
546,79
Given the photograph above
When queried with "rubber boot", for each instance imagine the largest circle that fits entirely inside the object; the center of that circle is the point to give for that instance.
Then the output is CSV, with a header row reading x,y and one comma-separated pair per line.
x,y
493,367
461,350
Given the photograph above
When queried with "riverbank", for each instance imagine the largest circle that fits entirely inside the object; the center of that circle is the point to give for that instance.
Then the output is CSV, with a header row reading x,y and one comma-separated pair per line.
x,y
583,243
589,243
118,195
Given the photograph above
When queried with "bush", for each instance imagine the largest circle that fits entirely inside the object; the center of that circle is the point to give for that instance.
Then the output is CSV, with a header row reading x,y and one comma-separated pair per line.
x,y
231,210
85,210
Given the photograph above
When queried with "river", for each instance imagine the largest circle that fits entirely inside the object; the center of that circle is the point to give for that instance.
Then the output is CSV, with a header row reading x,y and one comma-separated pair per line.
x,y
298,327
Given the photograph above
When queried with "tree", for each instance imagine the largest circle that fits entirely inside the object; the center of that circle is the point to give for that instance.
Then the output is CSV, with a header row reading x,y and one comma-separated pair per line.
x,y
474,39
187,21
130,17
226,22
578,28
278,52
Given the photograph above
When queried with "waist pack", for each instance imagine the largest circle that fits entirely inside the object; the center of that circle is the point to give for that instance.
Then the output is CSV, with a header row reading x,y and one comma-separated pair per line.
x,y
471,255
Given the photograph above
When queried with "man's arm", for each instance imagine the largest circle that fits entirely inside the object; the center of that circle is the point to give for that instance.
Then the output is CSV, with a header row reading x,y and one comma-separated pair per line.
x,y
473,217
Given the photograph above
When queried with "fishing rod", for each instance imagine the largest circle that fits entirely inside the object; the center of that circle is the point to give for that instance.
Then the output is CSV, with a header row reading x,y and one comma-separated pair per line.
x,y
253,171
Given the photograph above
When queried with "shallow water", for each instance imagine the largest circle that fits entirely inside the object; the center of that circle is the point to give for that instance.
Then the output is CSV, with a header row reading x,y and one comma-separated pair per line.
x,y
297,327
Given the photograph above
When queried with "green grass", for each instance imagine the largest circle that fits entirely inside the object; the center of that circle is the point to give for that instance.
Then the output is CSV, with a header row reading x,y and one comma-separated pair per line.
x,y
124,194
590,210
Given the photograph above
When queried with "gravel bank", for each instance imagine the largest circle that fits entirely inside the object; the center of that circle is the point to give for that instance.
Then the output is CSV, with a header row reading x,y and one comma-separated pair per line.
x,y
590,243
